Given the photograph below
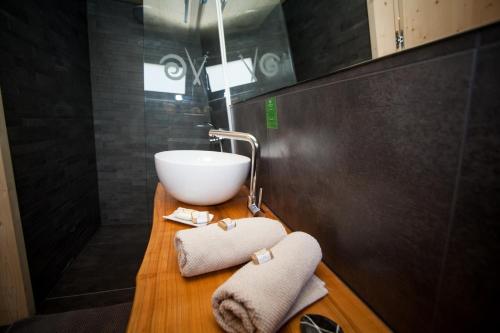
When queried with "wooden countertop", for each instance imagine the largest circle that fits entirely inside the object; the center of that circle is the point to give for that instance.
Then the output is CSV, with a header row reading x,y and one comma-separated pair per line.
x,y
165,301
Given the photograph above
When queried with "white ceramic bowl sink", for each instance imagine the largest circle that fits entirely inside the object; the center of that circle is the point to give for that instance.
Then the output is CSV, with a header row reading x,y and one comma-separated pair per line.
x,y
201,177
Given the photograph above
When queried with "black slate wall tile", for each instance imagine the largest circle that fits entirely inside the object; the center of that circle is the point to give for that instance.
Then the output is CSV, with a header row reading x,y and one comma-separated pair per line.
x,y
45,80
218,113
131,124
469,294
367,161
116,54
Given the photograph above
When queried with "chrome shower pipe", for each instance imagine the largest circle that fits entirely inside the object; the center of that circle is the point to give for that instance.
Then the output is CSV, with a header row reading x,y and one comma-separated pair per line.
x,y
223,56
253,202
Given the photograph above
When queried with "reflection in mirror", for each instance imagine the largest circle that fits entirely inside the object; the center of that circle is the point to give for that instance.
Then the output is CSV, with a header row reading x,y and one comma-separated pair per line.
x,y
271,44
326,35
256,44
291,41
257,30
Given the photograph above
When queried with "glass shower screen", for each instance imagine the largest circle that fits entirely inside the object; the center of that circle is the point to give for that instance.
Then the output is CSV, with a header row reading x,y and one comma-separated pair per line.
x,y
188,85
258,52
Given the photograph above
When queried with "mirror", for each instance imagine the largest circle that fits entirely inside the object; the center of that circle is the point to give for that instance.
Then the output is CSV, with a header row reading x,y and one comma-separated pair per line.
x,y
271,44
305,40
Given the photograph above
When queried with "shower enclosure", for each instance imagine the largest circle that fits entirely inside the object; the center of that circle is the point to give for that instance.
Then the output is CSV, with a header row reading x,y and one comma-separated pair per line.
x,y
200,56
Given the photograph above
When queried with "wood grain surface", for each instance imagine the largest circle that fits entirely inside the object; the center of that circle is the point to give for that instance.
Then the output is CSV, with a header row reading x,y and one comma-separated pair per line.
x,y
167,302
16,296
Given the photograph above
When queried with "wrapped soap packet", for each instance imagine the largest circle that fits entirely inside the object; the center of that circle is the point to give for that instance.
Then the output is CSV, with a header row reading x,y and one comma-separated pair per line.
x,y
200,217
227,224
262,256
184,213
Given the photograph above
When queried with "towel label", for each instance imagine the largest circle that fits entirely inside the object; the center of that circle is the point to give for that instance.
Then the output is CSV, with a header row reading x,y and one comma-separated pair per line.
x,y
262,256
227,224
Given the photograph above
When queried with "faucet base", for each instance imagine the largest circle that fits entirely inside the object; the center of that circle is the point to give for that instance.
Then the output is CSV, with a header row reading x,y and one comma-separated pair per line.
x,y
254,209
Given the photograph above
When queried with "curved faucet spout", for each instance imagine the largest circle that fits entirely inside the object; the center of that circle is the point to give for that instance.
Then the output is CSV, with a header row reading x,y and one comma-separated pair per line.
x,y
253,202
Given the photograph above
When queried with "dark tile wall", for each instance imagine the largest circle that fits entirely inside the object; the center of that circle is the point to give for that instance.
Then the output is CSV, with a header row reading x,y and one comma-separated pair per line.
x,y
338,37
116,48
469,282
218,113
131,124
172,124
394,167
45,80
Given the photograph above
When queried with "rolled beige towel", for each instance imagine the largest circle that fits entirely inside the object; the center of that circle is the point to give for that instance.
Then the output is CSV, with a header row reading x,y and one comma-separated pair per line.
x,y
261,298
211,248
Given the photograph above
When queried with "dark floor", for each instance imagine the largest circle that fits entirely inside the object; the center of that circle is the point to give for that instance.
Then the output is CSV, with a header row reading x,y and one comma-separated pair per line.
x,y
109,319
103,273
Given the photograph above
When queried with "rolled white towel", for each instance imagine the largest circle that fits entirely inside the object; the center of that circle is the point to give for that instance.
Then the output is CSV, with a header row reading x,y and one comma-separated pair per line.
x,y
261,298
211,248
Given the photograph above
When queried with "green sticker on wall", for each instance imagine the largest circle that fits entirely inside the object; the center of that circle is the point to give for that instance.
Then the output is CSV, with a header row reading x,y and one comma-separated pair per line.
x,y
271,113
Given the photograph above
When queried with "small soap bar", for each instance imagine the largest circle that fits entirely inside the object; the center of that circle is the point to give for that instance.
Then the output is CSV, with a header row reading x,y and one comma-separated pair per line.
x,y
262,256
184,213
200,217
227,224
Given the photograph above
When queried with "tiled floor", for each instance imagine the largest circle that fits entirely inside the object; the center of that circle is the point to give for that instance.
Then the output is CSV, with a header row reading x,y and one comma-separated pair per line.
x,y
110,319
104,273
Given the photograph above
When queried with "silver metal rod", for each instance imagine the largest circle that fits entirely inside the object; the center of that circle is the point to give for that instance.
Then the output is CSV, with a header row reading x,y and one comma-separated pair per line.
x,y
225,74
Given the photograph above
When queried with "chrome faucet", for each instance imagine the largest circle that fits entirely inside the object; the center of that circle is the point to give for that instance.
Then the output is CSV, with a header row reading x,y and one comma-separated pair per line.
x,y
253,202
212,139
